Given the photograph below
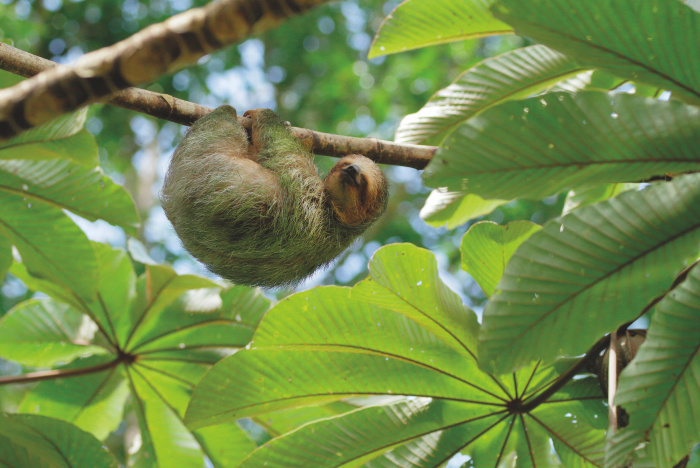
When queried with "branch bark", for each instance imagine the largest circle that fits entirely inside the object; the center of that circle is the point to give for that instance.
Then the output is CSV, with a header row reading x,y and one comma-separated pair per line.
x,y
183,112
158,49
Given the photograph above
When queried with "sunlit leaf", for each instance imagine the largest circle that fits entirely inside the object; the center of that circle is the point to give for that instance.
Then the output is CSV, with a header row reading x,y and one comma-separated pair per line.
x,y
590,195
420,23
93,401
590,271
455,208
539,146
324,344
63,127
71,186
49,243
487,247
510,76
161,333
81,148
42,333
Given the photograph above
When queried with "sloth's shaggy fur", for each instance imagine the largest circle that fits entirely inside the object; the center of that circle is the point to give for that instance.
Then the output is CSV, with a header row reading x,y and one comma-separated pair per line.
x,y
258,213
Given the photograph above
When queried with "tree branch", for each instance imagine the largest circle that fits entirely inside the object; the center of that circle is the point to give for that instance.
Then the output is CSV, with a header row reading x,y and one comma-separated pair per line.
x,y
564,378
166,107
143,57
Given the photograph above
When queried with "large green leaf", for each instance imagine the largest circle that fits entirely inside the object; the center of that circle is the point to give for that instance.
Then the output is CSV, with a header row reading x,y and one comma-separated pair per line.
x,y
43,333
94,402
653,41
510,76
159,334
29,441
63,127
660,388
325,344
420,23
590,271
487,247
65,184
81,148
539,146
51,245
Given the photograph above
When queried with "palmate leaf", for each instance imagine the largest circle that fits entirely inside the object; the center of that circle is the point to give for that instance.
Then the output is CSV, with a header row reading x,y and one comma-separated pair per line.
x,y
159,334
51,245
43,333
420,23
590,271
660,388
81,148
400,332
38,442
510,76
651,41
539,146
58,129
62,183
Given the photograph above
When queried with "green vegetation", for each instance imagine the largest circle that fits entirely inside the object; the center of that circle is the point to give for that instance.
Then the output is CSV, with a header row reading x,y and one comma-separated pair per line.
x,y
566,176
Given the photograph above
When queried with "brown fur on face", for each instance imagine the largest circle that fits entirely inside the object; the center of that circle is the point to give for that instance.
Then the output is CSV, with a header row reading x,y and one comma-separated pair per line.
x,y
357,190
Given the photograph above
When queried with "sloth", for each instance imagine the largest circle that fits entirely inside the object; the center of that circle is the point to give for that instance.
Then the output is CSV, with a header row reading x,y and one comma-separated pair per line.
x,y
254,209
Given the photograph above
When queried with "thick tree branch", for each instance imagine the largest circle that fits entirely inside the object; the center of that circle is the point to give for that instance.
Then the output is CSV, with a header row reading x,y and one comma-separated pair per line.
x,y
176,110
145,56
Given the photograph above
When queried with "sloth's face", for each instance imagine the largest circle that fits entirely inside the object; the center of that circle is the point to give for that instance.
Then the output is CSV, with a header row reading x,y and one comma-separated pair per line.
x,y
357,190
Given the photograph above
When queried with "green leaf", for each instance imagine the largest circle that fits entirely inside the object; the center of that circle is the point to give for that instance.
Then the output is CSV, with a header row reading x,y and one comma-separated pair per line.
x,y
164,436
420,23
162,332
94,401
157,290
334,441
591,195
660,388
487,247
51,245
540,146
5,255
43,333
38,442
648,41
74,187
81,148
513,75
405,279
322,345
63,127
226,445
593,269
455,208
576,419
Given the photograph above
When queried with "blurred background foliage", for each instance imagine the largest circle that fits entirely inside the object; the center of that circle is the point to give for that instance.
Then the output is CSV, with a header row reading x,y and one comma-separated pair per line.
x,y
313,70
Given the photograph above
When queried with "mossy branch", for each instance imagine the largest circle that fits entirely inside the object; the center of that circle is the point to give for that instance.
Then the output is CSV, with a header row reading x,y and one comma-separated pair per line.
x,y
183,112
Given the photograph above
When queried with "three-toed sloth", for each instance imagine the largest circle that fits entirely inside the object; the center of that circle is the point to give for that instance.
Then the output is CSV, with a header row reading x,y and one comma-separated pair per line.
x,y
257,213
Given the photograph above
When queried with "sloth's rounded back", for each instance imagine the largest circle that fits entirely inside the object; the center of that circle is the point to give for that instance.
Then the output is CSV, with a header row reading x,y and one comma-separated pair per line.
x,y
235,217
